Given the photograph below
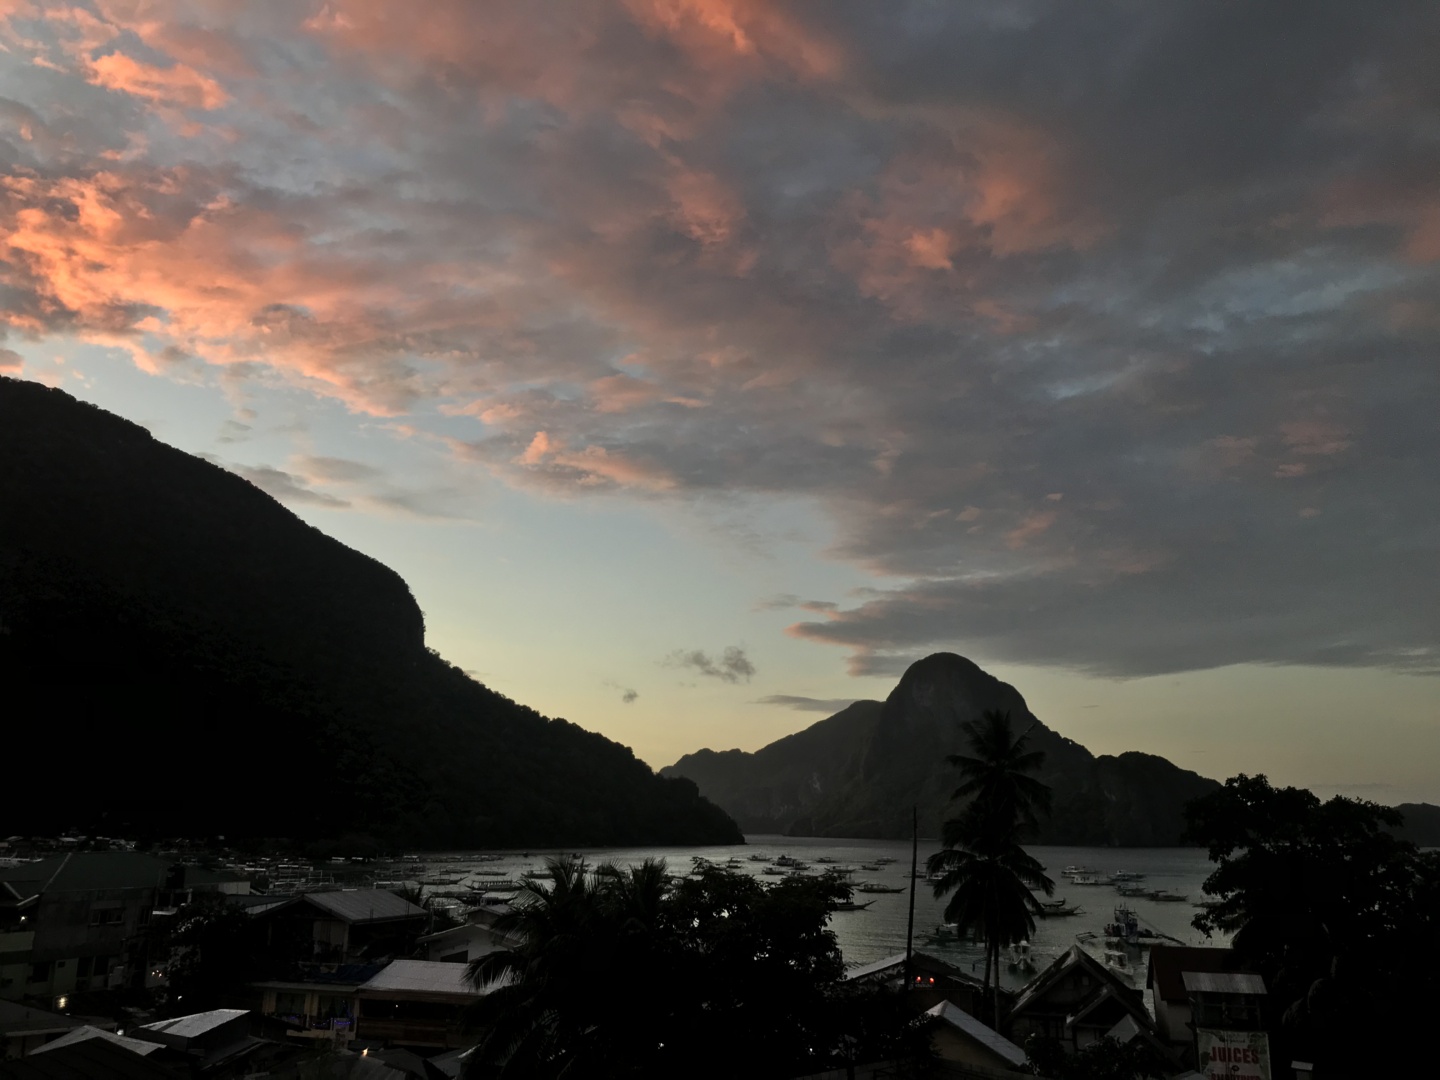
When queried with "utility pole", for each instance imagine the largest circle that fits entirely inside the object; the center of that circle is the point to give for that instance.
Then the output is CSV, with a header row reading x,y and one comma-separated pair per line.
x,y
914,869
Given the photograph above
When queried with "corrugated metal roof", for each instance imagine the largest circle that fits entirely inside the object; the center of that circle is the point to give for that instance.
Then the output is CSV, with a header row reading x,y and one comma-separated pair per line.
x,y
83,871
1222,982
188,1027
992,1040
91,1058
365,905
17,1019
80,1034
874,968
423,977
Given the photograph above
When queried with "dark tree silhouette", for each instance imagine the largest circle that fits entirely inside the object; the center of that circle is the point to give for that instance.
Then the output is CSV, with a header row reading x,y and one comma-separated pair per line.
x,y
1340,917
988,875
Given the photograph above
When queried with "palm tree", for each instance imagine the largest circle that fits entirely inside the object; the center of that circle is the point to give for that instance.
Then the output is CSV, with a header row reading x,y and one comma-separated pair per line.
x,y
991,876
542,1012
995,776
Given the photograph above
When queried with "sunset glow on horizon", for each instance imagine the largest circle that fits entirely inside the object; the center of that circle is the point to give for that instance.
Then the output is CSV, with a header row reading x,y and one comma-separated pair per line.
x,y
703,363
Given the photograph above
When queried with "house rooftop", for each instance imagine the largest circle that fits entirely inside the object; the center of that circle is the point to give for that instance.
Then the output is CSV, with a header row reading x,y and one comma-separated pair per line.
x,y
992,1040
1222,982
355,906
86,1031
194,1025
17,1019
84,871
87,1060
893,967
1169,962
422,977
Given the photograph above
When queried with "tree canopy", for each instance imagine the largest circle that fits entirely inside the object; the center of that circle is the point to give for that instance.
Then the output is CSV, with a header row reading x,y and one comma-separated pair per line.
x,y
628,973
1340,917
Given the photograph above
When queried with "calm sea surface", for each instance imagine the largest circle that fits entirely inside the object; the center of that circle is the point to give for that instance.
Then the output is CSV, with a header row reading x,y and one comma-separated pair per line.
x,y
879,930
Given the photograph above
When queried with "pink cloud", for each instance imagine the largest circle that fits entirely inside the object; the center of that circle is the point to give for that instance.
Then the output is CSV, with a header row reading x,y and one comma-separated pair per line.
x,y
1035,524
178,85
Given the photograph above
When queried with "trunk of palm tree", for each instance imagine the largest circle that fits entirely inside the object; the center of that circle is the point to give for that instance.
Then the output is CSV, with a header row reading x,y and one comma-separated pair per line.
x,y
986,990
995,992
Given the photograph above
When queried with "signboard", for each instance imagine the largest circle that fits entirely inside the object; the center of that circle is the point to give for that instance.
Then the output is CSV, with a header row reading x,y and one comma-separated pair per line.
x,y
1233,1055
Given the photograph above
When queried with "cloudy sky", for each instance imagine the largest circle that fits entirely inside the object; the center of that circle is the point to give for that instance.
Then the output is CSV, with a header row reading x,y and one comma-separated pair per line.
x,y
702,363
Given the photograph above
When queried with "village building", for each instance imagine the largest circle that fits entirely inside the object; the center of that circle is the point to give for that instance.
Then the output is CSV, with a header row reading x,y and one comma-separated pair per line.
x,y
23,1029
186,883
74,922
418,1003
320,1007
461,944
212,1043
1164,979
342,926
961,1039
931,981
90,1059
1208,1008
415,1003
1078,1001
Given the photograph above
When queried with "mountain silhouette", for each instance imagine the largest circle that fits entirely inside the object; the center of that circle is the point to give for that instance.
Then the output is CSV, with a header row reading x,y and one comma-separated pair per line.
x,y
182,656
859,772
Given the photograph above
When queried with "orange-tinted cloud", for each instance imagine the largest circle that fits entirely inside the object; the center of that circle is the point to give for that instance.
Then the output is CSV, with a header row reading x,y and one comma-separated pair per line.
x,y
178,84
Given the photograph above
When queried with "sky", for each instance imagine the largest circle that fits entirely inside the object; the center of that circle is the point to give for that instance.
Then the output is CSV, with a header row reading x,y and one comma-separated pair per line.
x,y
703,363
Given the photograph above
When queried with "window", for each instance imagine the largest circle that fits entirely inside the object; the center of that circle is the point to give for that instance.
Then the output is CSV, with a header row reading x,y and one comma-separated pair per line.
x,y
107,916
82,967
40,972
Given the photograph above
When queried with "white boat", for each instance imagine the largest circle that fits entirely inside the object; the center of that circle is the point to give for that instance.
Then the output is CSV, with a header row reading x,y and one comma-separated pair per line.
x,y
1020,958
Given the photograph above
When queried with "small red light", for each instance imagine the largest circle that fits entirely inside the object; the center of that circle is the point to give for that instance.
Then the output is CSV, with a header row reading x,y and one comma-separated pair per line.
x,y
932,982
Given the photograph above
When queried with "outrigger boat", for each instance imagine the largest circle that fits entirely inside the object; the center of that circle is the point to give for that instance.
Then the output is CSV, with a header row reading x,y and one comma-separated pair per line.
x,y
1055,908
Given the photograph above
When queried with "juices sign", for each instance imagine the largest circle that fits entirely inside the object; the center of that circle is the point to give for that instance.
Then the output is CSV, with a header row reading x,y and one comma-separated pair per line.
x,y
1233,1055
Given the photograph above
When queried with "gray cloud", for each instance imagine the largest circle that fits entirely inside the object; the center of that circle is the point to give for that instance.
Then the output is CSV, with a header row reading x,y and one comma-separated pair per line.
x,y
730,666
629,696
287,487
1107,333
806,704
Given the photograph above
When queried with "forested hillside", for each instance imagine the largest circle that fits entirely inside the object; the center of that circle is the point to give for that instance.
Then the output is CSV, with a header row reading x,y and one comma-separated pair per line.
x,y
181,654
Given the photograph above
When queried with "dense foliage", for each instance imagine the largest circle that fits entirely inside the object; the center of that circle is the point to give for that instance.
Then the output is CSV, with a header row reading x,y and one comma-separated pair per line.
x,y
1340,917
628,974
989,877
147,597
859,772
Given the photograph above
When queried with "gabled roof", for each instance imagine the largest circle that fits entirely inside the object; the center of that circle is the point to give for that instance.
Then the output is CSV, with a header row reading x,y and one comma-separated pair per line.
x,y
1168,963
993,1041
88,1060
1092,1012
194,1025
17,1019
80,1034
423,977
1063,964
893,967
85,871
354,906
